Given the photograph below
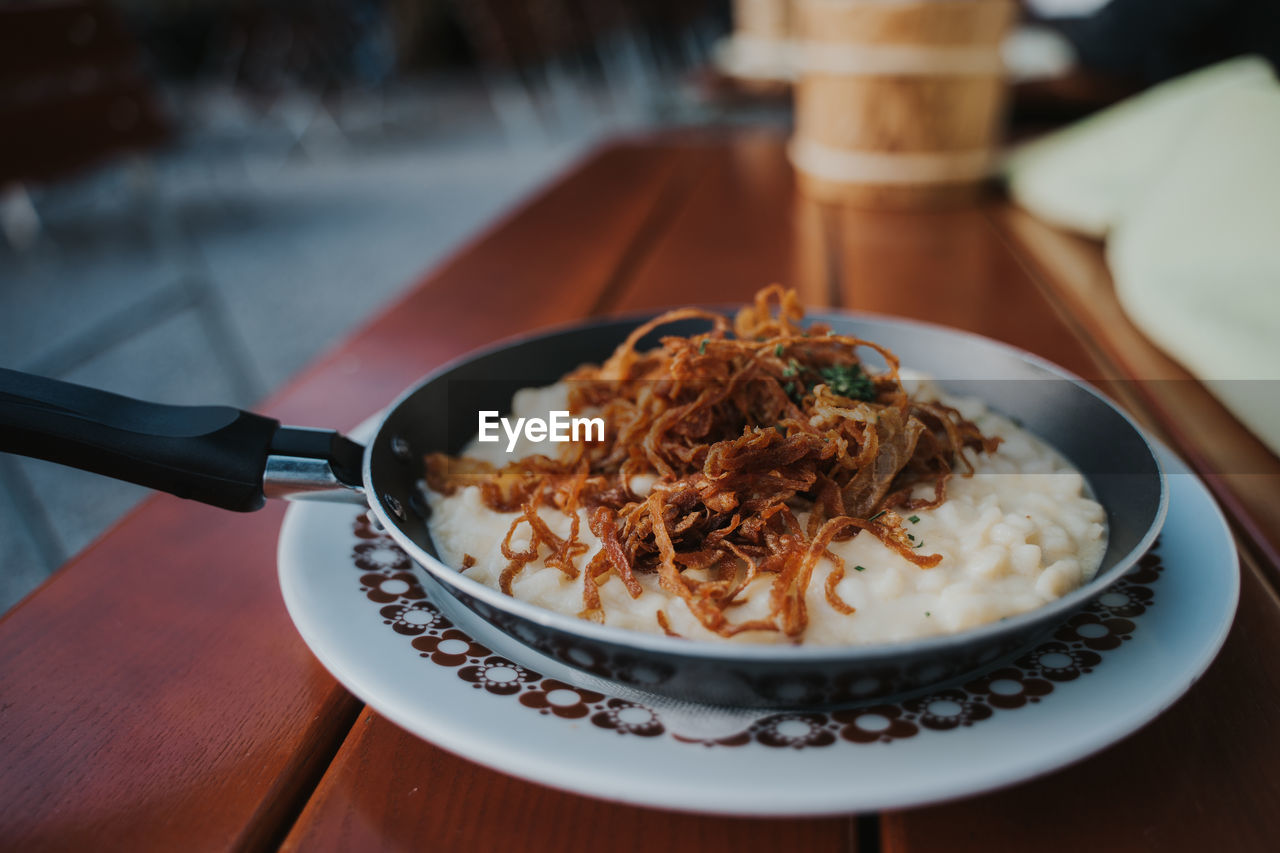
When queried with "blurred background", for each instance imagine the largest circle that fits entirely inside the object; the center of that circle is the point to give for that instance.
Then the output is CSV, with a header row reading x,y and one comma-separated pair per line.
x,y
199,196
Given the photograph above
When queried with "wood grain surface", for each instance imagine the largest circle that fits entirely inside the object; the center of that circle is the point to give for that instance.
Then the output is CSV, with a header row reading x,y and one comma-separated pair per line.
x,y
1200,777
741,227
387,790
950,267
421,796
154,696
1242,472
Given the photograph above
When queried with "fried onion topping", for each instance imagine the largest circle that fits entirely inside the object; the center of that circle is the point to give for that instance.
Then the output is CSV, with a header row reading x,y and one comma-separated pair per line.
x,y
741,431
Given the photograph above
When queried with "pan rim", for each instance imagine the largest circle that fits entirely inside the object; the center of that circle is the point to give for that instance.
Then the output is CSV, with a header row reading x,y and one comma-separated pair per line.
x,y
781,653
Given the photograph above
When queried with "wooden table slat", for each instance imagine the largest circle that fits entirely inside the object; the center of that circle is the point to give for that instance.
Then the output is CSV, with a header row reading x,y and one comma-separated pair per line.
x,y
154,693
742,228
422,796
1242,472
950,267
389,790
1200,777
740,225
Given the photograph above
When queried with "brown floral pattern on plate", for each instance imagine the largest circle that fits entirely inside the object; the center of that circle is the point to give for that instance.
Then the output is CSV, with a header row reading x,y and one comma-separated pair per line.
x,y
1075,649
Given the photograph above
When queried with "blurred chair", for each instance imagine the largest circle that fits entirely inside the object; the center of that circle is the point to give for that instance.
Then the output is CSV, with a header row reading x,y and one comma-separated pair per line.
x,y
72,95
546,61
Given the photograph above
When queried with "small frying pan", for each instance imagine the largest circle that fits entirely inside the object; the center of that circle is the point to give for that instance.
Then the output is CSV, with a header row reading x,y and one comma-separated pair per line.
x,y
235,460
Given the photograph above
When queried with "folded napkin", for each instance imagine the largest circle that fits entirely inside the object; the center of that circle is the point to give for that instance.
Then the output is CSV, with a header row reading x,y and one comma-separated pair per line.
x,y
1083,177
1184,182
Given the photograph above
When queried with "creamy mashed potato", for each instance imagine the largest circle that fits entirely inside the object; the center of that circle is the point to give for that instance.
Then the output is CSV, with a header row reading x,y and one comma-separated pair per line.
x,y
1018,534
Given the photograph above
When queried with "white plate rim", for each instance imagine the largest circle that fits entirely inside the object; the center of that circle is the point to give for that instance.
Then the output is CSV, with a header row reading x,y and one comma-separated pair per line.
x,y
462,730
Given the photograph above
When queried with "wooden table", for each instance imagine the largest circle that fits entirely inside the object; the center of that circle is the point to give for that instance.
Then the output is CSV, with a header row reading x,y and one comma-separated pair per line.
x,y
154,695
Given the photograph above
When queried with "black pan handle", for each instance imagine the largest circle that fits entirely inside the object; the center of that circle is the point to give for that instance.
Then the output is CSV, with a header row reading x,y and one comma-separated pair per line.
x,y
213,454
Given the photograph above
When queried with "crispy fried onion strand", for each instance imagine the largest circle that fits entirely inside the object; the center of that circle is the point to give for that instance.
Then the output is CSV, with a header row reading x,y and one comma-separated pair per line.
x,y
738,429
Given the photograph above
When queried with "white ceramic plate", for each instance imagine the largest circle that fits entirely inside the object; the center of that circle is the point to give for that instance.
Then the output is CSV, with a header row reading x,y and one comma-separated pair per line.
x,y
367,614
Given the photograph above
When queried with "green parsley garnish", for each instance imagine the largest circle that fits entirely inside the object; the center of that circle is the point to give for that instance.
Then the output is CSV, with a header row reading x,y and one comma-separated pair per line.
x,y
912,538
846,380
927,613
849,380
778,350
877,515
859,568
702,347
915,519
